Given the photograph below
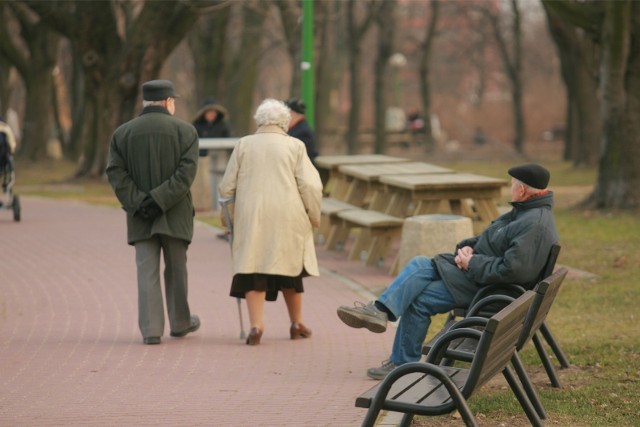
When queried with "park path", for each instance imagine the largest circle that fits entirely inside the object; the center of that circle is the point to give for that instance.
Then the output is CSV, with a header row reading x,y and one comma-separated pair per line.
x,y
71,353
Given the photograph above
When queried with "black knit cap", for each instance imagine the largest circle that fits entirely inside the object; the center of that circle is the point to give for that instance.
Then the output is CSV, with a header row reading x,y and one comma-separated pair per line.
x,y
158,90
531,174
296,105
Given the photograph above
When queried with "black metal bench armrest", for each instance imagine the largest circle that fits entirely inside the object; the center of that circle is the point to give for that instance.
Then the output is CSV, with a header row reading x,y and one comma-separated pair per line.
x,y
440,346
491,289
486,302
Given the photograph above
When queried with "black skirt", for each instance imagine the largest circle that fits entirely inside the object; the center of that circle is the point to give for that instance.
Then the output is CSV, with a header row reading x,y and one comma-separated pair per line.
x,y
271,283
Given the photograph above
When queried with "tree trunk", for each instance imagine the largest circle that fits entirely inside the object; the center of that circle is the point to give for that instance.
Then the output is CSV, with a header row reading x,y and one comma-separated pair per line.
x,y
618,183
356,33
208,44
386,28
329,68
291,15
513,66
584,126
243,73
35,65
423,71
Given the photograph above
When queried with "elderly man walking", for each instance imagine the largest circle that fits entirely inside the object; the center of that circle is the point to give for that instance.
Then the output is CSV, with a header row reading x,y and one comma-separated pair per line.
x,y
152,163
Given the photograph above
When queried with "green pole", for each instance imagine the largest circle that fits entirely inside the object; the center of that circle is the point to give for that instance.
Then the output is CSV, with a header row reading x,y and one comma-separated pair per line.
x,y
308,78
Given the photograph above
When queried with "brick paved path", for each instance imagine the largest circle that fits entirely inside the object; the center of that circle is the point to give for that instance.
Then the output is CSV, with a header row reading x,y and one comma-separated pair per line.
x,y
71,352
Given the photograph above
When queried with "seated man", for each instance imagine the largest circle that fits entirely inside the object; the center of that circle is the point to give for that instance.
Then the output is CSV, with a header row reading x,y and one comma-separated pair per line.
x,y
513,249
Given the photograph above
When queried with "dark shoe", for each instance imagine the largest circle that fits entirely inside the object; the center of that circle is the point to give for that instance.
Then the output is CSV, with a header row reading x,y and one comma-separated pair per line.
x,y
364,316
381,372
152,340
298,330
195,325
223,236
254,336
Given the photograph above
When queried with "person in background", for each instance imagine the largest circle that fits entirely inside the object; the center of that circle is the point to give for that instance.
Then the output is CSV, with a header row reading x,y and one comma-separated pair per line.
x,y
211,122
157,200
299,127
277,203
513,249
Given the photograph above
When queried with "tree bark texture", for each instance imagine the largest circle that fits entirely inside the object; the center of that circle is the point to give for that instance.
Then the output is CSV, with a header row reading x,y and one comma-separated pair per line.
x,y
386,30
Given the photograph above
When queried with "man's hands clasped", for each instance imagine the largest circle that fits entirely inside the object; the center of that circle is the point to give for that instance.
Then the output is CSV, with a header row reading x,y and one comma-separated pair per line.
x,y
149,209
463,256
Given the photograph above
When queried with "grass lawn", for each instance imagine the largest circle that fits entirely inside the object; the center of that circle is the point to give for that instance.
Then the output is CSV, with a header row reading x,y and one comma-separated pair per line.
x,y
594,317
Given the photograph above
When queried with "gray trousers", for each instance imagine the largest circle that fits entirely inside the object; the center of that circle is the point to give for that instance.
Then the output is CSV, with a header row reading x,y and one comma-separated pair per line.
x,y
150,304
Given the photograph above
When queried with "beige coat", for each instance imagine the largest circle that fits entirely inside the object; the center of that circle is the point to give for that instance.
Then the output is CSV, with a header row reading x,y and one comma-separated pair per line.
x,y
277,201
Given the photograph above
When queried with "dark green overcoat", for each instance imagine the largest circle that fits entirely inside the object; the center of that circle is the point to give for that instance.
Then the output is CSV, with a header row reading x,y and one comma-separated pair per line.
x,y
157,154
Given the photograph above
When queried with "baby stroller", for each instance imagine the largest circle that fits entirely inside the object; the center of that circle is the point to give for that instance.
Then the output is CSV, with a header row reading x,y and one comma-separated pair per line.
x,y
8,200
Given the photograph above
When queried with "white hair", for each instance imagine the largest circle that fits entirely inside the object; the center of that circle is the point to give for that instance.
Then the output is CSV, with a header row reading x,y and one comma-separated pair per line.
x,y
273,112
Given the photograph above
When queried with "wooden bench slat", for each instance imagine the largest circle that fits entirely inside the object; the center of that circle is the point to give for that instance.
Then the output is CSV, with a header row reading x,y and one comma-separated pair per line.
x,y
370,219
330,206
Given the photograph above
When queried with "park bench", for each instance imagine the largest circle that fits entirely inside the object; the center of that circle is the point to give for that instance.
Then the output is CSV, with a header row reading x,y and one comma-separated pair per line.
x,y
377,230
331,236
463,349
513,291
428,389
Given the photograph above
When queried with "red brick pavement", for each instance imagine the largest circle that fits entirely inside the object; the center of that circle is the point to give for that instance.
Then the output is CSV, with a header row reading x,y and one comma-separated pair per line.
x,y
71,352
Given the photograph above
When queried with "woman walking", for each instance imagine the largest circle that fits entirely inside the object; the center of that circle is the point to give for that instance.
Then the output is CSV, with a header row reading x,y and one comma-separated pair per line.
x,y
277,194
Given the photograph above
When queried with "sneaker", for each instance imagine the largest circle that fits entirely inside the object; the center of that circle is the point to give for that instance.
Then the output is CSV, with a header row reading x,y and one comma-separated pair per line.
x,y
381,372
364,316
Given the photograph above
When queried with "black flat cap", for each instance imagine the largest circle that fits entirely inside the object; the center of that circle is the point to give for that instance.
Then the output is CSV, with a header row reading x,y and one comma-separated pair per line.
x,y
296,105
158,90
531,174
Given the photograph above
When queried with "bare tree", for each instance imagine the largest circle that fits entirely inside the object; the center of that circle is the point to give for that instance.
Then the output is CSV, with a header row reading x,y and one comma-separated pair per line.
x,y
33,54
356,29
579,68
120,44
385,20
242,76
209,46
330,65
291,15
426,51
615,26
510,48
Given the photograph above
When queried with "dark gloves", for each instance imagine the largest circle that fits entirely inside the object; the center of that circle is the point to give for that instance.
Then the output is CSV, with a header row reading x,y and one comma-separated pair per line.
x,y
149,209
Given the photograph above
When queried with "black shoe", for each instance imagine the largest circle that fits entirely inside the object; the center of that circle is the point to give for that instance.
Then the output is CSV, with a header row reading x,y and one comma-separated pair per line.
x,y
195,325
152,340
223,236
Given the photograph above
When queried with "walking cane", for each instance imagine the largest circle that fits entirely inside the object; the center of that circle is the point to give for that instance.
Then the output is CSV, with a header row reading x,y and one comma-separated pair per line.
x,y
224,204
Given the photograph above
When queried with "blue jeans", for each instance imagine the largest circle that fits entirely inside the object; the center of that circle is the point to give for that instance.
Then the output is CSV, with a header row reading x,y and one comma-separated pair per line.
x,y
416,294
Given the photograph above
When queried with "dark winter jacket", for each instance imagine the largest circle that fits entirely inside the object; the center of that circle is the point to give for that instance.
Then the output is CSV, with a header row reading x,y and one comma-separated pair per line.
x,y
513,249
156,154
304,133
216,129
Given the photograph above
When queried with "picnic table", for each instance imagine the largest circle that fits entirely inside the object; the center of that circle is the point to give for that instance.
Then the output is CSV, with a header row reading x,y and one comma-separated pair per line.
x,y
467,194
337,184
363,179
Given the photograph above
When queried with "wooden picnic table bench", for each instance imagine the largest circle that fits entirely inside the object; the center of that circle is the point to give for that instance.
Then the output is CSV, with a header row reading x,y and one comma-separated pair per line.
x,y
337,184
428,389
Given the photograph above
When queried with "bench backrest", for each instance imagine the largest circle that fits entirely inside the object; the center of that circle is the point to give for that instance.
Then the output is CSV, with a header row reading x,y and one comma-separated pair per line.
x,y
498,342
546,292
551,262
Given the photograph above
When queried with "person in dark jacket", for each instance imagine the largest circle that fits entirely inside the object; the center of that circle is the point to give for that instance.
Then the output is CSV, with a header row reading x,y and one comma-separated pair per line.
x,y
152,163
513,249
211,122
299,127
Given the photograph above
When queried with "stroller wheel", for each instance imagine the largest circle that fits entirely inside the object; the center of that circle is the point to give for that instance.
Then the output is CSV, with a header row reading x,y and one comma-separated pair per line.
x,y
16,208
